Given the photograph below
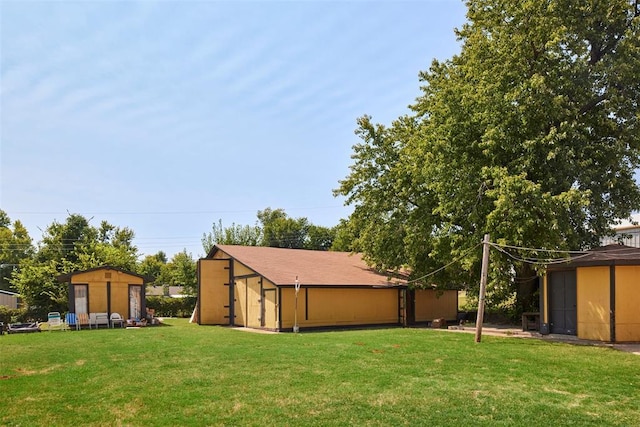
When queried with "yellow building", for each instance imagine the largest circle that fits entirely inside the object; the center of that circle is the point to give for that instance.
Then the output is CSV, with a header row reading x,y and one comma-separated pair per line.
x,y
108,290
596,296
255,287
9,299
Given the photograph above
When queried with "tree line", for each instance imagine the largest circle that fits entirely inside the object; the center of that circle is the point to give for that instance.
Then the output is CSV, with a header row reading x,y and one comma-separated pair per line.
x,y
76,245
276,229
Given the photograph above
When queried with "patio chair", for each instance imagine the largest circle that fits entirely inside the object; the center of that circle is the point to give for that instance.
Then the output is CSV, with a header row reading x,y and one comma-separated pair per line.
x,y
72,321
115,318
55,322
98,319
82,319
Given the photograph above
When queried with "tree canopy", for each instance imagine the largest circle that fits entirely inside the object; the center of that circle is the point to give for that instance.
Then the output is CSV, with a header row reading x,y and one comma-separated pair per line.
x,y
274,228
15,246
244,235
181,271
530,133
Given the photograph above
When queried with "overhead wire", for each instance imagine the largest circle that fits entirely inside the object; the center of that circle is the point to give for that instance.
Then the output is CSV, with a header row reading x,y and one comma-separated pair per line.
x,y
536,249
462,255
159,212
534,261
529,260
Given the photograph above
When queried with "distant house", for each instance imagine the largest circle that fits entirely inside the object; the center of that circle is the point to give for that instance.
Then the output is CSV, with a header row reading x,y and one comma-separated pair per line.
x,y
627,233
165,291
108,290
256,287
595,296
9,299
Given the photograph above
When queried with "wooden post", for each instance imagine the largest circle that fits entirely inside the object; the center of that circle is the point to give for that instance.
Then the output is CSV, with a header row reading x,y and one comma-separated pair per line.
x,y
295,315
483,286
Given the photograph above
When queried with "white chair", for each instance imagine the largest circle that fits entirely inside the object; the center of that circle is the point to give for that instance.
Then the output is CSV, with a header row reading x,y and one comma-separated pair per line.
x,y
116,318
98,319
54,322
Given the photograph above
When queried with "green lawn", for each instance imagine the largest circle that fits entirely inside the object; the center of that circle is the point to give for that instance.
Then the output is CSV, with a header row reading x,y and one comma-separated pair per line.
x,y
184,374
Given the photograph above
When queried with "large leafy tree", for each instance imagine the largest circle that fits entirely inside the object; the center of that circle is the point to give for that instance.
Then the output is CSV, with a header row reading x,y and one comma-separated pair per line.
x,y
281,231
530,133
61,241
111,246
180,271
319,238
152,266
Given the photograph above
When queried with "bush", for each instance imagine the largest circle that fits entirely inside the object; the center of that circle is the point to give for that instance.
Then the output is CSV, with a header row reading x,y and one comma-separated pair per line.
x,y
172,307
12,315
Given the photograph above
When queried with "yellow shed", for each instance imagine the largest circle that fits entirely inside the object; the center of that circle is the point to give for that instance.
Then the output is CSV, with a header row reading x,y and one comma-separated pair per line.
x,y
255,287
108,290
9,299
595,296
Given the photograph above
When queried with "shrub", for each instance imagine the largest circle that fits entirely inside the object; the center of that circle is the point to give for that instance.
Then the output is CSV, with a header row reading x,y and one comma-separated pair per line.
x,y
172,307
12,315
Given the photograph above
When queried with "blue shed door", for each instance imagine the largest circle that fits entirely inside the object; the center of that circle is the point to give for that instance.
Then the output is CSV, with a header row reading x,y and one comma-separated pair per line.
x,y
562,302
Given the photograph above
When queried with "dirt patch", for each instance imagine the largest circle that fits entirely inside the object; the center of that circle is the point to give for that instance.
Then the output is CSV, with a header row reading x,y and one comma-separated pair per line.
x,y
24,371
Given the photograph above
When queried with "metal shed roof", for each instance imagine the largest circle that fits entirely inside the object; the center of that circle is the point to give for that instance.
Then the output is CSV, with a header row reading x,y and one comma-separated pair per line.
x,y
613,254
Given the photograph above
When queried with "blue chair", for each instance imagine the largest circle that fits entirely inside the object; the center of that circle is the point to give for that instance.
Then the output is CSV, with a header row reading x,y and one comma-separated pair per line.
x,y
72,321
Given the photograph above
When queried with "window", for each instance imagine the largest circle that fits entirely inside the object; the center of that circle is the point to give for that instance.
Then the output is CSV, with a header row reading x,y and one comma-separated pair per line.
x,y
135,302
81,300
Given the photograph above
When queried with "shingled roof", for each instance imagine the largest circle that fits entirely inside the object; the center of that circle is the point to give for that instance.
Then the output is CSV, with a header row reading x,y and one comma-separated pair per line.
x,y
320,268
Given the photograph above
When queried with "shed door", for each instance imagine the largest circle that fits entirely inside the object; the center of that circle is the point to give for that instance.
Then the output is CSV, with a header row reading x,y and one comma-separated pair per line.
x,y
81,302
135,302
269,308
562,302
410,308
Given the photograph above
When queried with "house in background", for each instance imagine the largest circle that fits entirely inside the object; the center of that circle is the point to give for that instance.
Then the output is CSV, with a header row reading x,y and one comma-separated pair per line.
x,y
255,287
627,233
9,299
595,296
108,290
165,291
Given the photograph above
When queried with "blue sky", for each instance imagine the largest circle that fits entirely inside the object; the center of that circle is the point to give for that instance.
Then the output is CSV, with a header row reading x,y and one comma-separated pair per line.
x,y
166,116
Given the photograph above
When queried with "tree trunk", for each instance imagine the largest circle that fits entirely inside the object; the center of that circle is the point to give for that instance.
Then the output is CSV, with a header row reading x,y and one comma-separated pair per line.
x,y
527,285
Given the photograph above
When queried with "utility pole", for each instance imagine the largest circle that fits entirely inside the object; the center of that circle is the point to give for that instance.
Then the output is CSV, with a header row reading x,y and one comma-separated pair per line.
x,y
483,286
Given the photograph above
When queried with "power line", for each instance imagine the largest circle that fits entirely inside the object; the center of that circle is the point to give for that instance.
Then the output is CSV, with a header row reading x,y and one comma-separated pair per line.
x,y
536,249
445,266
538,261
158,212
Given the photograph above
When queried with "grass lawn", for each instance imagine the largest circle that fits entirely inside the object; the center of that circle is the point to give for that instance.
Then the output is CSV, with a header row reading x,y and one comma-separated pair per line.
x,y
188,375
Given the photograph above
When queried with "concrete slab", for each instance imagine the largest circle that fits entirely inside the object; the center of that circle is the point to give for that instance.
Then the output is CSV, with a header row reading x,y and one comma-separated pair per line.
x,y
515,332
